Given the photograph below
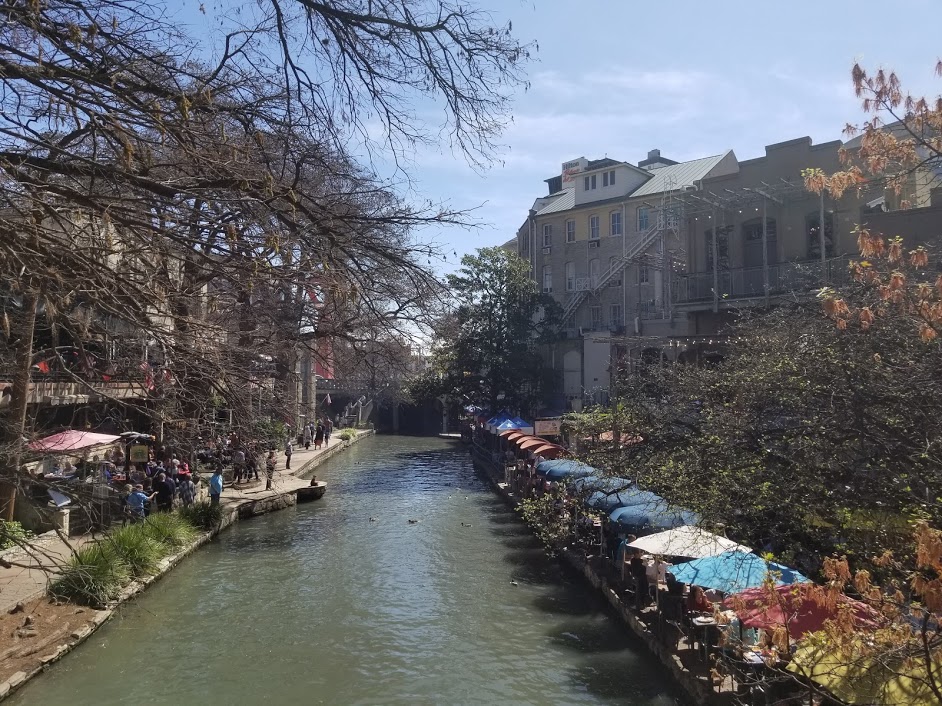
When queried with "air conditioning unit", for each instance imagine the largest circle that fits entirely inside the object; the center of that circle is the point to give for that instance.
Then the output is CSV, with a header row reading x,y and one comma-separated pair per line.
x,y
547,250
593,243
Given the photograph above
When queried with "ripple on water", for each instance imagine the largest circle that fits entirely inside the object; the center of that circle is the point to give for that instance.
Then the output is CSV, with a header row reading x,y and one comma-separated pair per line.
x,y
319,605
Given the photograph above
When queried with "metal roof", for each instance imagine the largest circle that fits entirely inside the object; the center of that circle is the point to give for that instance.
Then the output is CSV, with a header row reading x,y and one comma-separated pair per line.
x,y
677,176
565,202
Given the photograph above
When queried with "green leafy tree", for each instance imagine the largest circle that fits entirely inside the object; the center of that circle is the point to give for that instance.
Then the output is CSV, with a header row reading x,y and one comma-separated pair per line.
x,y
489,338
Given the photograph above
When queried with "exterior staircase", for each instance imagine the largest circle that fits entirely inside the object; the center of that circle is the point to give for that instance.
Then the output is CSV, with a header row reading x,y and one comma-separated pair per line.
x,y
640,244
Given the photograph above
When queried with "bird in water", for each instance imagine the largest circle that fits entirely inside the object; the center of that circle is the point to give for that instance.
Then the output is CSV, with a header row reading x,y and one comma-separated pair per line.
x,y
463,524
513,583
413,522
372,519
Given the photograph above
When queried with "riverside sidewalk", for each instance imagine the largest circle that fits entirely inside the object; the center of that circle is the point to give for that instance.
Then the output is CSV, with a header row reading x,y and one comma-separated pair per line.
x,y
26,580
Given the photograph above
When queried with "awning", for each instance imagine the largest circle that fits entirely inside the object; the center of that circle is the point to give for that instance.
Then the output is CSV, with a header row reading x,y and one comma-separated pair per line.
x,y
563,468
687,541
734,572
531,443
549,451
793,607
507,432
71,440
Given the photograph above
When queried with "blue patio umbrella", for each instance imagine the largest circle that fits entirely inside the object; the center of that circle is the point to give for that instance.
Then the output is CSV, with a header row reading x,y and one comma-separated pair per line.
x,y
733,572
497,420
561,468
608,501
652,512
607,484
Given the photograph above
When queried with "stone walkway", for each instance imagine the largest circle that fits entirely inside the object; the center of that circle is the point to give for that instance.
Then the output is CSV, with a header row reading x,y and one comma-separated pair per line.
x,y
28,578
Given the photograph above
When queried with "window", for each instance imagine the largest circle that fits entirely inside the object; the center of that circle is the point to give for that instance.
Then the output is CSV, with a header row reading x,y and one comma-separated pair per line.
x,y
642,218
616,222
616,315
570,276
570,231
595,317
814,237
752,230
547,235
608,178
594,271
722,247
593,227
643,274
547,278
589,182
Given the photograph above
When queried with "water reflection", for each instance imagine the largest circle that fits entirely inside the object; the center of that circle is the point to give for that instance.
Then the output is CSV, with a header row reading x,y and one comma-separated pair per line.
x,y
320,605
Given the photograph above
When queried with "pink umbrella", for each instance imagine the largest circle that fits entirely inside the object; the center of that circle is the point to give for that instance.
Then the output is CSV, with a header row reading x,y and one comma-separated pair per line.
x,y
71,440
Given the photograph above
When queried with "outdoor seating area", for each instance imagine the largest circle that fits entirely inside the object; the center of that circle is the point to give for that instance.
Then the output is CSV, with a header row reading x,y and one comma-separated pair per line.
x,y
734,619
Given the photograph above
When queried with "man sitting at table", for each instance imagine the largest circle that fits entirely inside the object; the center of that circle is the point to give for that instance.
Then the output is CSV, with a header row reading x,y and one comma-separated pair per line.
x,y
697,602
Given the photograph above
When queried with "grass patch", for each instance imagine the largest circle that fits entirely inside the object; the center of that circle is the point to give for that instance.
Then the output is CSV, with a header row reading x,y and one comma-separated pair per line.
x,y
202,515
94,576
137,548
169,528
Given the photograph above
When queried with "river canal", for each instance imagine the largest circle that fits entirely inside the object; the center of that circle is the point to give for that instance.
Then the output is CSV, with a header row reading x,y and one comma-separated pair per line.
x,y
320,605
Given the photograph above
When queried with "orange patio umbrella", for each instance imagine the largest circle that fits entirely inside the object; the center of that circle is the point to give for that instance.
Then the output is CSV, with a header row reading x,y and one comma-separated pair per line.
x,y
549,451
532,443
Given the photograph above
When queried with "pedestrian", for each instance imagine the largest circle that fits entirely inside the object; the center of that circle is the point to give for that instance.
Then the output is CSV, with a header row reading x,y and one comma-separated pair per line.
x,y
128,489
215,486
318,435
289,449
137,503
187,491
328,428
306,436
269,469
238,465
252,464
165,489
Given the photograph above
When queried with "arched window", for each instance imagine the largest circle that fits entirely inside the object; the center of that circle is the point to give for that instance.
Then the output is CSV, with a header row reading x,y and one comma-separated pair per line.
x,y
752,243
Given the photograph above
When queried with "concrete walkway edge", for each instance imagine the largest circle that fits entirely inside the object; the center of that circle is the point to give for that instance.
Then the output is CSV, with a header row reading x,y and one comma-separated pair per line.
x,y
235,509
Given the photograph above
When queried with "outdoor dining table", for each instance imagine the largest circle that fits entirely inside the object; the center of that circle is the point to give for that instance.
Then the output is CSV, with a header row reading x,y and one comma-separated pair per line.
x,y
706,632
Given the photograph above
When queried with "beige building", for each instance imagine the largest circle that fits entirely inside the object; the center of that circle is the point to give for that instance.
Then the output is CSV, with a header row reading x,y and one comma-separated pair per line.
x,y
629,251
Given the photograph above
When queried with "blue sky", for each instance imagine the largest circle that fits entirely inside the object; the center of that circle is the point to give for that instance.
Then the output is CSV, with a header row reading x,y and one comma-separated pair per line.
x,y
619,77
693,78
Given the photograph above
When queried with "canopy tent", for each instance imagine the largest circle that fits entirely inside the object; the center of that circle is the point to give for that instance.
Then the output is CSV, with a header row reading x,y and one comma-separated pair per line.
x,y
508,425
652,512
563,468
734,572
865,680
523,425
795,607
549,451
688,541
496,421
71,440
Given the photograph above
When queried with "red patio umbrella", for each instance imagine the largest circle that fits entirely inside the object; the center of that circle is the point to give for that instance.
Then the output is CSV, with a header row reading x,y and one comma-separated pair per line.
x,y
532,443
793,606
549,451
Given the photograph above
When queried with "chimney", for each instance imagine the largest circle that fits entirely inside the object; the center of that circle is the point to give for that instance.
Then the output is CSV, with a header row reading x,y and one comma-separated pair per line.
x,y
654,155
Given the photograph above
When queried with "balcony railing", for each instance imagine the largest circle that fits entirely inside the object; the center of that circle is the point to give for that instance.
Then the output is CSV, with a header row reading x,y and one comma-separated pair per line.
x,y
747,282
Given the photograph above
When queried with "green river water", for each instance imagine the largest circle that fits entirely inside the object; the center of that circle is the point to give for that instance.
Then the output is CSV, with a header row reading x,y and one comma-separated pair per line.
x,y
319,605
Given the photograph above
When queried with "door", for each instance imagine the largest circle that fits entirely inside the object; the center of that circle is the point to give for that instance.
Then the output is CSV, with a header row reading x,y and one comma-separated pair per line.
x,y
752,255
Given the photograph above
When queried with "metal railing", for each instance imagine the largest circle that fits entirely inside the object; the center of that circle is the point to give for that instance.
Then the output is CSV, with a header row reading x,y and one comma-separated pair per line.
x,y
748,282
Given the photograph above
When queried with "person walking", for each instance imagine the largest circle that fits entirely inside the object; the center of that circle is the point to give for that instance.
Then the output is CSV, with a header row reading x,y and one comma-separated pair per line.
x,y
187,490
165,490
328,428
215,486
137,502
269,469
306,436
238,466
289,449
318,435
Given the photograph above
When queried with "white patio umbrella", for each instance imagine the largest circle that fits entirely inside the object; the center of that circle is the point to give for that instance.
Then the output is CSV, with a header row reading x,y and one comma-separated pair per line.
x,y
688,541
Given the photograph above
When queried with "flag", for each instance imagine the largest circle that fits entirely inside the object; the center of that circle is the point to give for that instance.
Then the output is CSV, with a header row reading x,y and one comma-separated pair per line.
x,y
327,399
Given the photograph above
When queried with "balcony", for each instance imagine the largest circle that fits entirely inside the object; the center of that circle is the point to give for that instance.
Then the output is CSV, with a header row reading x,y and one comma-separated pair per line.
x,y
741,284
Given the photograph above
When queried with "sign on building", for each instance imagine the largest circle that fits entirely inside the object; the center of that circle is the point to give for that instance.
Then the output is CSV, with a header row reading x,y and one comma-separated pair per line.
x,y
572,169
140,453
548,427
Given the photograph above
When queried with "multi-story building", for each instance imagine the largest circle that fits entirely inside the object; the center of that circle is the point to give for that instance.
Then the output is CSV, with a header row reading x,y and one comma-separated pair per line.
x,y
629,252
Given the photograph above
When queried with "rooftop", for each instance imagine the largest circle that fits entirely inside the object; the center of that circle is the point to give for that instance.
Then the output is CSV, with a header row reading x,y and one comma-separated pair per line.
x,y
678,176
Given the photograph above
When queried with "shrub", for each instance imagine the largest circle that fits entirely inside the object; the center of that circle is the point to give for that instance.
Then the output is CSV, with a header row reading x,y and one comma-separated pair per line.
x,y
94,576
347,434
12,533
202,515
169,528
139,550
